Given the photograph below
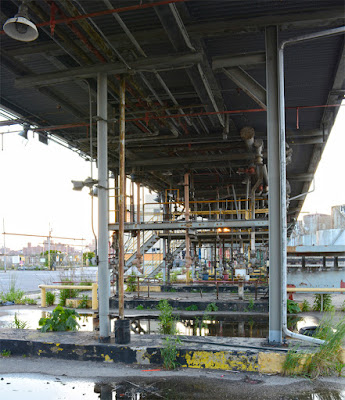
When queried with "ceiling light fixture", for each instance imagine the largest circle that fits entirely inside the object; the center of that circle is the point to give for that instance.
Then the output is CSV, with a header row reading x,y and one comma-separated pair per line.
x,y
20,27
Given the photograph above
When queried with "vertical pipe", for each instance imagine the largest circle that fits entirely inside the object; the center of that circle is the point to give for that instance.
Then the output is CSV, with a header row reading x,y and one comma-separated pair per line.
x,y
186,205
122,200
102,158
138,222
277,205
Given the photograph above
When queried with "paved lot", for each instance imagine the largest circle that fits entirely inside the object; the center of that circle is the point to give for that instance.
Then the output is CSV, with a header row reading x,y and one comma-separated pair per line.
x,y
29,280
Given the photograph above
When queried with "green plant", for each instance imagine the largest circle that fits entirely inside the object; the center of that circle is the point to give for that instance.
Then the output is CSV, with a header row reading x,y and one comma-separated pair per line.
x,y
50,298
326,305
67,293
5,353
193,307
159,275
250,304
140,307
343,307
326,360
169,352
292,307
172,290
61,319
173,277
305,306
14,295
19,324
83,301
131,282
166,319
211,307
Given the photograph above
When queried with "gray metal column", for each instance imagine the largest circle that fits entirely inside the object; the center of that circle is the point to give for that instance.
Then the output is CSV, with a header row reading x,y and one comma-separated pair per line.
x,y
102,158
275,203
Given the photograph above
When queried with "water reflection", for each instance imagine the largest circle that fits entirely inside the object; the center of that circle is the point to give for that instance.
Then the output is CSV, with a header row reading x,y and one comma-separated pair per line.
x,y
232,326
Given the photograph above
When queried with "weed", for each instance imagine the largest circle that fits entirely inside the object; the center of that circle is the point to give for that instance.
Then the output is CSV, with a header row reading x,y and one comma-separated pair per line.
x,y
140,307
292,307
50,298
193,307
327,302
19,324
172,290
14,295
211,307
5,353
173,277
166,319
67,293
326,360
169,352
61,319
83,301
305,306
250,304
131,282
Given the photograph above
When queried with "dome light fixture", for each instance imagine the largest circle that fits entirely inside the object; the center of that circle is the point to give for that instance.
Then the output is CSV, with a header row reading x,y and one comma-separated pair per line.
x,y
20,27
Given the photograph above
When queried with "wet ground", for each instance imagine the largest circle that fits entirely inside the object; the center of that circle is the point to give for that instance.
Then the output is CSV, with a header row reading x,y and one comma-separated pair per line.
x,y
241,387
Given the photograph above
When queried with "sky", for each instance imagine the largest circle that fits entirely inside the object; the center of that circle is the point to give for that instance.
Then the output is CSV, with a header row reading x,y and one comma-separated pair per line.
x,y
37,190
329,177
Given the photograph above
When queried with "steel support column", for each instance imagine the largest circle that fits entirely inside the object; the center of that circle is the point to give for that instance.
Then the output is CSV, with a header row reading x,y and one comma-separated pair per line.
x,y
102,158
277,205
122,198
187,238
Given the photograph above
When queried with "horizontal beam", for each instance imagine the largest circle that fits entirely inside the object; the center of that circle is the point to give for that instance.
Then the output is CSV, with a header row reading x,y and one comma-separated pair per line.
x,y
178,160
141,65
317,250
238,60
157,226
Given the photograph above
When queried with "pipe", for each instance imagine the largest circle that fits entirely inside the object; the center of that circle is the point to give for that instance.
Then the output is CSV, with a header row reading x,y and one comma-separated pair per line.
x,y
312,36
186,206
102,158
67,20
177,116
122,197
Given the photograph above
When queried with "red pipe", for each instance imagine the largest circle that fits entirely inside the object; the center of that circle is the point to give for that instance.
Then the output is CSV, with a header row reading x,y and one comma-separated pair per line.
x,y
146,117
66,20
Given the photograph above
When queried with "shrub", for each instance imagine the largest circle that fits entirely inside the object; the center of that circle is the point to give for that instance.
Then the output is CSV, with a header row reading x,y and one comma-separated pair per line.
x,y
13,295
67,293
61,319
212,307
327,303
131,282
305,306
166,319
169,353
292,307
50,298
83,301
140,307
193,307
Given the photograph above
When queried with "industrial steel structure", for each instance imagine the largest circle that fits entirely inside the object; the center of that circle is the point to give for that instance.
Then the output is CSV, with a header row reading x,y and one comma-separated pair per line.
x,y
221,107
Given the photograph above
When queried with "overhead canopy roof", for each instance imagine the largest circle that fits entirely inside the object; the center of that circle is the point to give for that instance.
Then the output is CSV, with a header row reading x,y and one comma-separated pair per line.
x,y
197,58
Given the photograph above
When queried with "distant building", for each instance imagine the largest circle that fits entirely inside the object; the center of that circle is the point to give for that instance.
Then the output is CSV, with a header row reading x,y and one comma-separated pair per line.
x,y
320,229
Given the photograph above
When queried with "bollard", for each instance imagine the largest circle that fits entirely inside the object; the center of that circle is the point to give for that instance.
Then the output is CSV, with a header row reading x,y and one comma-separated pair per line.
x,y
94,296
240,290
122,331
43,297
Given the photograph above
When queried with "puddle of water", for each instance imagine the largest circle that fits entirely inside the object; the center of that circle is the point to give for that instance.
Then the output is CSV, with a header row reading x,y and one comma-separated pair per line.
x,y
225,326
36,386
229,326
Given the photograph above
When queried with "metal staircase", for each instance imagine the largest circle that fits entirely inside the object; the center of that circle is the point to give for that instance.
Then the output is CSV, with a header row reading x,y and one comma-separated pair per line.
x,y
178,250
151,241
